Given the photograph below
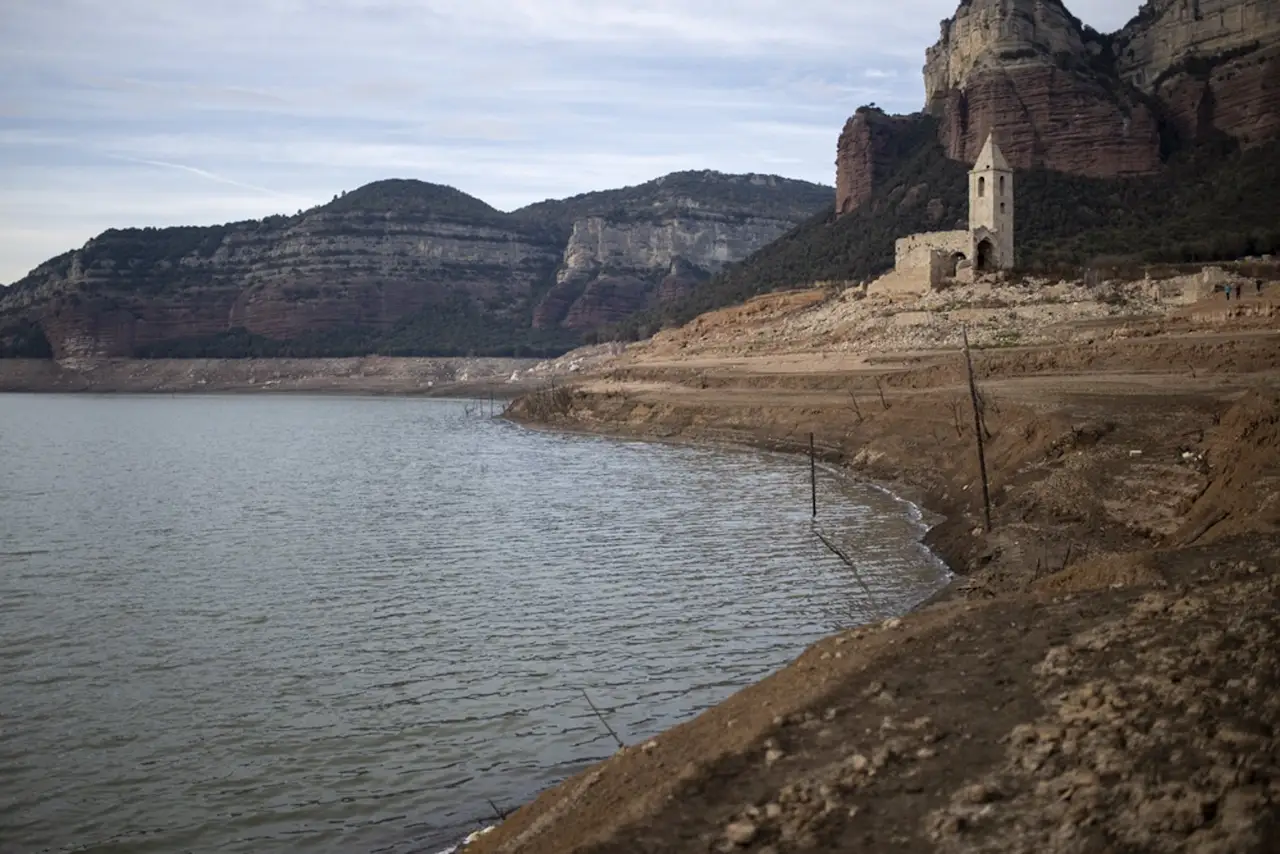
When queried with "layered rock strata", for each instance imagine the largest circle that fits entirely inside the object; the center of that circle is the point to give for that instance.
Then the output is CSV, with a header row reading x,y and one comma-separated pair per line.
x,y
1027,70
614,267
404,259
1060,96
1213,64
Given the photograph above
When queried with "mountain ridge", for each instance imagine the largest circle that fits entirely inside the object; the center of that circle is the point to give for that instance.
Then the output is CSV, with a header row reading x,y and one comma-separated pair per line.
x,y
400,266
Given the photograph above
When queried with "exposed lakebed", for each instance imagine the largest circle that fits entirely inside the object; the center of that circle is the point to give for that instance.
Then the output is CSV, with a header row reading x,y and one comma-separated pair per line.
x,y
347,624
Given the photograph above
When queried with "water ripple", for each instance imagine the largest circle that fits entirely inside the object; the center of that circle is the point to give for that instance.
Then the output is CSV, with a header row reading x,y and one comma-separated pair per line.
x,y
309,624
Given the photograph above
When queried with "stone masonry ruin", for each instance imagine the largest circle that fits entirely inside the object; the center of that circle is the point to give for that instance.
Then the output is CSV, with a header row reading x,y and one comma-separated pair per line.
x,y
923,262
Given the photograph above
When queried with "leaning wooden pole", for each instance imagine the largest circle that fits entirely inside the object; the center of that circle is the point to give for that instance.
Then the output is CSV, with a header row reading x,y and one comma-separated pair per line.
x,y
813,477
603,722
977,431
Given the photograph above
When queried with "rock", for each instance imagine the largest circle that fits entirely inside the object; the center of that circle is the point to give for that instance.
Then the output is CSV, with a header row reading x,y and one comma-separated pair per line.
x,y
978,793
1241,810
1060,96
394,250
867,153
882,756
741,833
773,756
1021,67
1214,70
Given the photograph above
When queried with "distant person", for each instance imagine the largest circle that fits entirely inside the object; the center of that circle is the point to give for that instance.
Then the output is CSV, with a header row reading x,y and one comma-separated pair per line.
x,y
1228,290
1257,286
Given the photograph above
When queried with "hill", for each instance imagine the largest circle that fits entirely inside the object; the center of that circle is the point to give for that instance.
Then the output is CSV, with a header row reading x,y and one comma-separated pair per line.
x,y
397,267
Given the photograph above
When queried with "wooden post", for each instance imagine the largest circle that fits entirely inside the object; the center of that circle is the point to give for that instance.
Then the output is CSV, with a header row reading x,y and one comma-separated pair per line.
x,y
813,477
605,723
977,431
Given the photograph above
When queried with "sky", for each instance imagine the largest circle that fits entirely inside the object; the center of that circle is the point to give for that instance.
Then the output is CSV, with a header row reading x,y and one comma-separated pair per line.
x,y
172,112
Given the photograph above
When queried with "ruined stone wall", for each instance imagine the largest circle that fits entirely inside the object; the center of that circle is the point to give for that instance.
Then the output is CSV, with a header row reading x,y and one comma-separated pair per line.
x,y
917,251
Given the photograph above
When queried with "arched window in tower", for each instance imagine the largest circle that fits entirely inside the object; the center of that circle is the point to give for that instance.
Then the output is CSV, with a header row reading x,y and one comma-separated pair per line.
x,y
1002,207
982,187
1002,185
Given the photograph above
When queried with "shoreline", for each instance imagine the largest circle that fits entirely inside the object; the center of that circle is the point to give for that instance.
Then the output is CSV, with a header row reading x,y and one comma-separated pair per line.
x,y
364,375
842,475
1108,491
898,489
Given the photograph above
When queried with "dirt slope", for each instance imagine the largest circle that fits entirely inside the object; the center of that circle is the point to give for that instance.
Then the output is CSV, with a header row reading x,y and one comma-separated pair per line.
x,y
1103,676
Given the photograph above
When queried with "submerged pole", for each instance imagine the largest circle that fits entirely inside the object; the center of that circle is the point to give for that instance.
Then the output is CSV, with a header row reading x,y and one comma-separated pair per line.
x,y
813,477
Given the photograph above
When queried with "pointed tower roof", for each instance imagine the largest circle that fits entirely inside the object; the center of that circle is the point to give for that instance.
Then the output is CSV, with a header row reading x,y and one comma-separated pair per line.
x,y
991,157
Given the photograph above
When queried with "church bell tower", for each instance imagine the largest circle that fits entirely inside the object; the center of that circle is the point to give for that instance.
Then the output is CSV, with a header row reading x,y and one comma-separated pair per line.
x,y
991,210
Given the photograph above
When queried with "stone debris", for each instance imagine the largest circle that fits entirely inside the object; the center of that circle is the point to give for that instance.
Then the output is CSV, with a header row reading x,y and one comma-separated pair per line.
x,y
996,314
1076,776
740,832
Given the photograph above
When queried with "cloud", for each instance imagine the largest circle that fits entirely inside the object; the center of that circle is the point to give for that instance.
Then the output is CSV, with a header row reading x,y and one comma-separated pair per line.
x,y
155,112
219,179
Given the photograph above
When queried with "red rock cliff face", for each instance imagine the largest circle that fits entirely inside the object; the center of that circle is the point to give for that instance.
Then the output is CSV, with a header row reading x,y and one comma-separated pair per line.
x,y
1049,118
1060,96
1213,64
1025,69
867,153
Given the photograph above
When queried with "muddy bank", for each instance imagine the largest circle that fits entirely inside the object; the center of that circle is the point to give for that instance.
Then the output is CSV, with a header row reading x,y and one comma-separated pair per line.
x,y
1101,676
1109,455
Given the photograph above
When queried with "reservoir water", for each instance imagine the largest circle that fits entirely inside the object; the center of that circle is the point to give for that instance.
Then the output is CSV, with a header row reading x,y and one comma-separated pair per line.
x,y
279,624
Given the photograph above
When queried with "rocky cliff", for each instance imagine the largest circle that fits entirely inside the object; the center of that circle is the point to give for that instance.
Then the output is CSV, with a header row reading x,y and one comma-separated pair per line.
x,y
1063,97
870,148
1213,64
400,267
628,248
1030,71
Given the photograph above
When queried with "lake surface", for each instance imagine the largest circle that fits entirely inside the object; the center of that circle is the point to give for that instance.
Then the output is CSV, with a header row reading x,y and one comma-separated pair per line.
x,y
278,624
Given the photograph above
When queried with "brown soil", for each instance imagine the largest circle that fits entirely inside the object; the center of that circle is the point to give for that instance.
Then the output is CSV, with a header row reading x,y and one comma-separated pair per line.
x,y
1104,673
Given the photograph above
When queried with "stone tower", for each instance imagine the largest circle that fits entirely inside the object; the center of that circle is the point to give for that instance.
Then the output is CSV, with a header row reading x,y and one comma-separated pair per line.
x,y
991,210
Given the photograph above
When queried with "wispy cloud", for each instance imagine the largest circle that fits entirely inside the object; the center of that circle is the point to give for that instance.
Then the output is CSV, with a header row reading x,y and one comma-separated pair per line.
x,y
241,108
203,173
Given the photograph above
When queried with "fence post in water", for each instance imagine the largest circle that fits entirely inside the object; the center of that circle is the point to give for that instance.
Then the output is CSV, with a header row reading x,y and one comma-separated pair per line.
x,y
977,430
813,477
